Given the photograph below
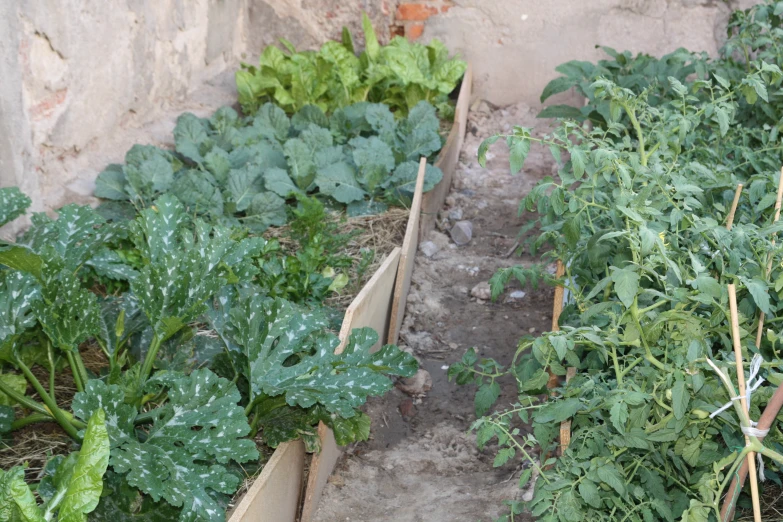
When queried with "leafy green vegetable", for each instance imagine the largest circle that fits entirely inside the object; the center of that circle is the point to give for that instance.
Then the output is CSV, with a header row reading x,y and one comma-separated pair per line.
x,y
13,203
191,436
71,492
240,172
400,74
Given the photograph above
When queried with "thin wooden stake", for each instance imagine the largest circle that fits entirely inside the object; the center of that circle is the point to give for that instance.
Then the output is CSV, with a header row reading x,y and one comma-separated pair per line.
x,y
760,328
565,426
557,309
735,335
730,220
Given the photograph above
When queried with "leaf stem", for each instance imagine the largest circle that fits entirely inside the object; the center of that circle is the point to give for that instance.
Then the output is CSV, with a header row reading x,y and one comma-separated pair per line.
x,y
149,360
56,412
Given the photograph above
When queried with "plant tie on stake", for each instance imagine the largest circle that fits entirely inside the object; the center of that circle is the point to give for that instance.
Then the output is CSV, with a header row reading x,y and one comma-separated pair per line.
x,y
754,382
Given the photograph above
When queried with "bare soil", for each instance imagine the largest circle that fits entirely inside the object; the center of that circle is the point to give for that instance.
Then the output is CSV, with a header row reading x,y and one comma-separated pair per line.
x,y
424,465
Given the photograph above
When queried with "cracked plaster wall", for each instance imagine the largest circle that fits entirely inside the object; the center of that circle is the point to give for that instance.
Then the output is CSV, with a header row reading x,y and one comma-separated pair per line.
x,y
83,80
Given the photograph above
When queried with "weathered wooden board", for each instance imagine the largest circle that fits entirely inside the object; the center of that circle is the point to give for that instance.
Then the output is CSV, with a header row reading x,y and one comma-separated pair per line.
x,y
274,496
372,305
433,200
409,246
370,308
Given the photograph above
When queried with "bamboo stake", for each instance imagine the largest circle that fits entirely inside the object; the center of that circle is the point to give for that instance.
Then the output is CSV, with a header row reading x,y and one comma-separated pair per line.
x,y
735,335
737,193
760,328
557,309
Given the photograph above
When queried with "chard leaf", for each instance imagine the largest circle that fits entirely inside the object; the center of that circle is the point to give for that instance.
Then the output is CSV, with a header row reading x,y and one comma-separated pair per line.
x,y
17,502
81,481
194,433
13,203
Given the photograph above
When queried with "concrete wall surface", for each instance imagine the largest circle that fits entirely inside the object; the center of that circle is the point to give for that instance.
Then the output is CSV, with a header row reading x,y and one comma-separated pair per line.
x,y
515,45
83,80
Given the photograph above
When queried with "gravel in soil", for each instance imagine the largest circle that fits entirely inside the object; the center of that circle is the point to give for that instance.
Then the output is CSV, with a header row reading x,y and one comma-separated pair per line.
x,y
421,464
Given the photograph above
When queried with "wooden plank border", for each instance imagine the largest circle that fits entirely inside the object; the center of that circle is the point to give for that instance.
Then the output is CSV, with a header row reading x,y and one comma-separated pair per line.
x,y
433,200
274,496
409,246
371,308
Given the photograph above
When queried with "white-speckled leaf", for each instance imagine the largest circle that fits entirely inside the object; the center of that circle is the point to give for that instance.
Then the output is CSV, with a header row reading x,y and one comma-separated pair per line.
x,y
17,293
13,204
195,431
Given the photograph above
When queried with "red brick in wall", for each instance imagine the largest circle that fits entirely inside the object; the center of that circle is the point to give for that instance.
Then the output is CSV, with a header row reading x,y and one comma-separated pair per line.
x,y
411,15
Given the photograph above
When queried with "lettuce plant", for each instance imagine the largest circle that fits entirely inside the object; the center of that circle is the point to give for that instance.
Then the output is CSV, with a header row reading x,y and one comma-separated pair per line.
x,y
400,75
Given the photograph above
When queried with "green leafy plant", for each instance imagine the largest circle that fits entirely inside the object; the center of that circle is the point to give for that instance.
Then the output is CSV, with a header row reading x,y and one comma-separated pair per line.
x,y
637,216
400,74
182,400
241,173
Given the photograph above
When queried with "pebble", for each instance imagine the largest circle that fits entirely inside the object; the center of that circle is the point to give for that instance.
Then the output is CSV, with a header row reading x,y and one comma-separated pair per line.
x,y
532,329
419,384
456,214
429,248
462,232
516,295
481,291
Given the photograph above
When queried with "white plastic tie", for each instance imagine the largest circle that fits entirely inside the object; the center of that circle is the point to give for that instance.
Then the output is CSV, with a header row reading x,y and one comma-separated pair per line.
x,y
754,381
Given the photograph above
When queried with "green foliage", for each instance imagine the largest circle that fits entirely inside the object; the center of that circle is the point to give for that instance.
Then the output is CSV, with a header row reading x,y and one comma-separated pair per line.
x,y
240,172
71,489
637,216
175,435
191,435
13,203
400,75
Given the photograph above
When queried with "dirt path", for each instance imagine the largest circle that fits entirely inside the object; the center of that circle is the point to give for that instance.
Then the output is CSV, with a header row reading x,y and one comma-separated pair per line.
x,y
423,465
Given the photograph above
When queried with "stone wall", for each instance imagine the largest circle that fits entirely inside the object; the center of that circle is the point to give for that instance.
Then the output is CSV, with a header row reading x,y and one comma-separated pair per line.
x,y
83,80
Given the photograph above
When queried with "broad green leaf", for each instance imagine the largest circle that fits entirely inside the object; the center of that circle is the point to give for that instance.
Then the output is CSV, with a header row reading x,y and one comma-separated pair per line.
x,y
484,148
558,411
191,436
374,160
277,180
18,291
270,332
590,493
486,396
267,209
190,133
371,45
626,284
402,182
680,399
17,502
242,186
609,474
561,111
339,181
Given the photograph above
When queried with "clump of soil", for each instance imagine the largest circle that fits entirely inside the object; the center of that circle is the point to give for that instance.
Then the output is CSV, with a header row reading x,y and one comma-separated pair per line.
x,y
421,463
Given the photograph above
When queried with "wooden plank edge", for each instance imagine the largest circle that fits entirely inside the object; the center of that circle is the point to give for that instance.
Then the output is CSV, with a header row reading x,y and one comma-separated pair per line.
x,y
275,494
405,269
565,426
322,464
365,293
433,200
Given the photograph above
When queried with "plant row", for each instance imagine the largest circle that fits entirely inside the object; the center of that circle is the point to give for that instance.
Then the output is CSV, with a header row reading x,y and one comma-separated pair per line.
x,y
200,360
638,216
